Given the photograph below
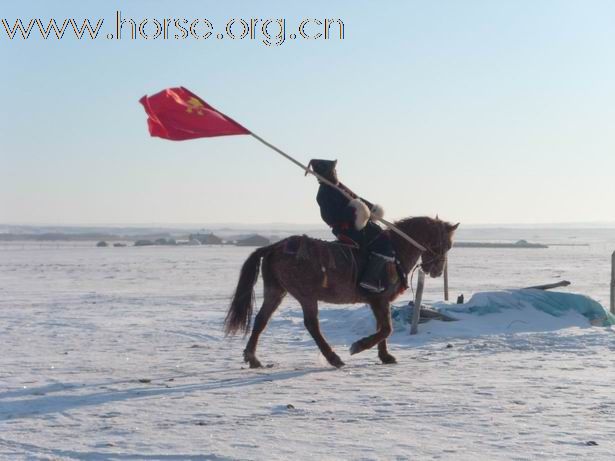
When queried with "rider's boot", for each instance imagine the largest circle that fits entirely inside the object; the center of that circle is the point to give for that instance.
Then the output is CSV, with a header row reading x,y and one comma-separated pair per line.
x,y
375,276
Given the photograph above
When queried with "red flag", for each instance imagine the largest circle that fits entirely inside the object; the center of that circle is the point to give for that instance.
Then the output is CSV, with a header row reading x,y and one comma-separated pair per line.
x,y
178,114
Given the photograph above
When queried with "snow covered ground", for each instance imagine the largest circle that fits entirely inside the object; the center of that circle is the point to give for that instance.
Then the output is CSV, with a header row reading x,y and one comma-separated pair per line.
x,y
118,353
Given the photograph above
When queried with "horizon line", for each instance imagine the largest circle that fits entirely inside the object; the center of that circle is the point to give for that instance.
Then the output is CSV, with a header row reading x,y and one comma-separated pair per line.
x,y
593,224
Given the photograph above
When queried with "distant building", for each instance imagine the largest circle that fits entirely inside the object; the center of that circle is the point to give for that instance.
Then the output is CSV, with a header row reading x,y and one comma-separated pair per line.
x,y
102,244
207,239
143,243
253,241
119,245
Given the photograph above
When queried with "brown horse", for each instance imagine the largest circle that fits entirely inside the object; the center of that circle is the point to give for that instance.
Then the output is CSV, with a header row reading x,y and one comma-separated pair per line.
x,y
328,272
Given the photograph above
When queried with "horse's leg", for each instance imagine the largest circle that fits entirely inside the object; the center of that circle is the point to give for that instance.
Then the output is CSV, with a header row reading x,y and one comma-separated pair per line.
x,y
273,297
382,313
310,319
383,353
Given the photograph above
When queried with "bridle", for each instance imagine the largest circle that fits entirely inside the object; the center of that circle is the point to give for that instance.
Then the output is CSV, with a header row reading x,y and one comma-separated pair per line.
x,y
433,255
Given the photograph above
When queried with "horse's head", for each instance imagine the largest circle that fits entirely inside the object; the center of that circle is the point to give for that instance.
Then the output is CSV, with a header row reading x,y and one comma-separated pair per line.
x,y
435,235
437,241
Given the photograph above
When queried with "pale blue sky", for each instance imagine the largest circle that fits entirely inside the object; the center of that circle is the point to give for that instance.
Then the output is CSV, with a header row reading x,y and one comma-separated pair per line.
x,y
481,111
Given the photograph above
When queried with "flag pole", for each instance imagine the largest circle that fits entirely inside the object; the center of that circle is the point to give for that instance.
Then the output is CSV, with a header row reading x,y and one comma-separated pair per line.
x,y
346,194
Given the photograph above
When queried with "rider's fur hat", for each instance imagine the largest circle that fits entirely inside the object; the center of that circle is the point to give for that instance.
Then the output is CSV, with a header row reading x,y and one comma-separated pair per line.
x,y
325,168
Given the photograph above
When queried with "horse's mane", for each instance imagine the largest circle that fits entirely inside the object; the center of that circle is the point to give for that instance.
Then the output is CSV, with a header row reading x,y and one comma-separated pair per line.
x,y
424,225
417,219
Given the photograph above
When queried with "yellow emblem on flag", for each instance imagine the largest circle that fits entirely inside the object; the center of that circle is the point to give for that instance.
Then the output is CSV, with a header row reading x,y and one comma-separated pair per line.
x,y
195,106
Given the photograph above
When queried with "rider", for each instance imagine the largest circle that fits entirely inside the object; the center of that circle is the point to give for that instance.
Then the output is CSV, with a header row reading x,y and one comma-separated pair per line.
x,y
351,222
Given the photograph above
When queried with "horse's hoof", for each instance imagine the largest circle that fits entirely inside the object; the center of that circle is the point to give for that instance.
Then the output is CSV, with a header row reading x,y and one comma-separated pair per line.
x,y
388,359
253,361
355,348
336,361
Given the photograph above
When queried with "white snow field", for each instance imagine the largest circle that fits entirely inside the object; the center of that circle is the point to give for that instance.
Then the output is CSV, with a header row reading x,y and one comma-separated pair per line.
x,y
118,353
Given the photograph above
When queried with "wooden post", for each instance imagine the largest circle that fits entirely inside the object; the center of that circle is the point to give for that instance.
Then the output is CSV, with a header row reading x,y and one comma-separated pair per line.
x,y
446,279
418,299
613,283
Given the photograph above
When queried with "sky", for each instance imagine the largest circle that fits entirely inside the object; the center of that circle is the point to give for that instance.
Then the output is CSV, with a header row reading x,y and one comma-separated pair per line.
x,y
480,111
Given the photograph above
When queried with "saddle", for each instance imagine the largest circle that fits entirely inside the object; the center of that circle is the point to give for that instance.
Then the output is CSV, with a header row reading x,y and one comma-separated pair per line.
x,y
330,255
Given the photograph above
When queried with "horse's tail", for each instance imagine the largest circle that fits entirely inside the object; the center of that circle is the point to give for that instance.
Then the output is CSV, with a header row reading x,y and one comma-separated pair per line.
x,y
239,314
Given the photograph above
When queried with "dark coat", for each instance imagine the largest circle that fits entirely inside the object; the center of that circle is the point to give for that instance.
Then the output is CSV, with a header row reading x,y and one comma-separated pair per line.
x,y
336,212
334,208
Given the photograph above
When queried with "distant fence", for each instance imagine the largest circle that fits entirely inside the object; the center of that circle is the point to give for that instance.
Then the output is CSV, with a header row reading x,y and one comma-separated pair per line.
x,y
613,283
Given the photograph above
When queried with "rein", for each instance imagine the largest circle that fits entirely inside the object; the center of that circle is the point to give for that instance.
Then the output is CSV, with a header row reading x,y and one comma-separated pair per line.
x,y
434,255
433,258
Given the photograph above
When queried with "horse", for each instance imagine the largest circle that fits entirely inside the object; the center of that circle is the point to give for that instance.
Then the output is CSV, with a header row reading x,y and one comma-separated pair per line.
x,y
332,278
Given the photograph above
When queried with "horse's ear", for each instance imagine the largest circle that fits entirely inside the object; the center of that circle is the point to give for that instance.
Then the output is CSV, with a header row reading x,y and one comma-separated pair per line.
x,y
453,227
437,217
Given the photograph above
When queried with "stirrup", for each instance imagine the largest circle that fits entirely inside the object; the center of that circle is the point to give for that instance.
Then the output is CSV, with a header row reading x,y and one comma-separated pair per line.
x,y
371,288
390,259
